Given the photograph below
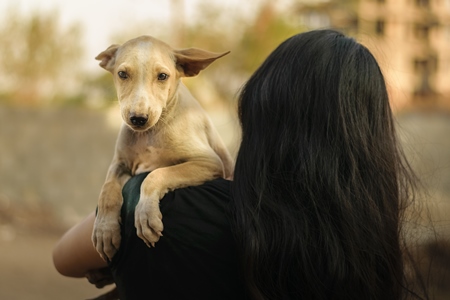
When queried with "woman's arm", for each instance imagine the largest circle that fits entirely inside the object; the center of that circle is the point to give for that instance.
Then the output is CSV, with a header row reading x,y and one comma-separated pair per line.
x,y
74,255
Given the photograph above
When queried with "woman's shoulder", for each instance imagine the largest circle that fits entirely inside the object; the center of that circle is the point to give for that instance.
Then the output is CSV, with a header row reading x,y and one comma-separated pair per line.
x,y
211,194
196,254
185,211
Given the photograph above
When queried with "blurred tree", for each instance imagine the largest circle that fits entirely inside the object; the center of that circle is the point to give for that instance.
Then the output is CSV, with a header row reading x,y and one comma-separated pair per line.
x,y
259,39
249,39
269,29
95,92
38,56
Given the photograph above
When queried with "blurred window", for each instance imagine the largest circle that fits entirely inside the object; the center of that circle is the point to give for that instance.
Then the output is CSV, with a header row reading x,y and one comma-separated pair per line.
x,y
447,32
420,65
422,3
379,27
428,65
421,31
424,68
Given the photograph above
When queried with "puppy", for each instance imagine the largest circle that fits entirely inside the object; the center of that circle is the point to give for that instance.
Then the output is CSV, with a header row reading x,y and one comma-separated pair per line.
x,y
165,131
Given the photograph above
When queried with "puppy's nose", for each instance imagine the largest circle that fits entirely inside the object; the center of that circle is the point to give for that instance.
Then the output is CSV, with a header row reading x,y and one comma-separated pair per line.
x,y
138,120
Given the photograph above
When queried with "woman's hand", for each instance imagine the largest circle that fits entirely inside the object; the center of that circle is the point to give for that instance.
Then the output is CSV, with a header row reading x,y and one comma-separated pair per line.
x,y
100,277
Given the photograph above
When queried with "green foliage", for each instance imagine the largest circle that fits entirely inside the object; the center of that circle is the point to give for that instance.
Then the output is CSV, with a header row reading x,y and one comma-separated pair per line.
x,y
261,38
98,91
37,55
250,42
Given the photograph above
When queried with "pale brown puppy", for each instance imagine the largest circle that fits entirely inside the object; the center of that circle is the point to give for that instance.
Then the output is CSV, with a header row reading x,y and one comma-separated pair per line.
x,y
165,131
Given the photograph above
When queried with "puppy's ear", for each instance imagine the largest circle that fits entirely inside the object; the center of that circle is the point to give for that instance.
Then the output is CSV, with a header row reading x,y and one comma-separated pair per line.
x,y
108,57
191,61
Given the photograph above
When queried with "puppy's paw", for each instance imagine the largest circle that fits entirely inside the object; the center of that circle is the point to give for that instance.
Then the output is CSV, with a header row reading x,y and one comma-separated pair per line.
x,y
106,237
148,221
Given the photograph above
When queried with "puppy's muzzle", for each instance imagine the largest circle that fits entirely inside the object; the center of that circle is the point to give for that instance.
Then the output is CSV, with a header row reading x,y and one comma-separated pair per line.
x,y
139,121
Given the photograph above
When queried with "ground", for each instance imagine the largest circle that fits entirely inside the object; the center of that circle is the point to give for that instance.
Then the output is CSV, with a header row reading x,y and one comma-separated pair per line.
x,y
53,162
27,271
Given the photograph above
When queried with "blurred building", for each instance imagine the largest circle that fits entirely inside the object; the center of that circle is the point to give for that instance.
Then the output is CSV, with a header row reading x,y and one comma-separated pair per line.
x,y
410,39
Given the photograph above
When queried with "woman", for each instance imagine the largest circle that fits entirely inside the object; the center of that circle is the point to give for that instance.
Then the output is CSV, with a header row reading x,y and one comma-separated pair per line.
x,y
315,208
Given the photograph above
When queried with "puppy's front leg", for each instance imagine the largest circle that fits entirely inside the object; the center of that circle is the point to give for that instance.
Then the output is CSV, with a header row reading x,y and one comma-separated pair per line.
x,y
148,217
106,234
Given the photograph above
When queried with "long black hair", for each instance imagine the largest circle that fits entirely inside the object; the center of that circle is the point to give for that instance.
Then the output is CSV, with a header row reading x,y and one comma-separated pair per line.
x,y
320,181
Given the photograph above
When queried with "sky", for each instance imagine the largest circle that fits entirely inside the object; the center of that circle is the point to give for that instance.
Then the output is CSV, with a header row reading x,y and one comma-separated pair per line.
x,y
101,18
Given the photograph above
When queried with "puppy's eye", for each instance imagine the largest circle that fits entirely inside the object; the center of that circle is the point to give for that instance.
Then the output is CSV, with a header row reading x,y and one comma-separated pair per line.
x,y
122,75
162,76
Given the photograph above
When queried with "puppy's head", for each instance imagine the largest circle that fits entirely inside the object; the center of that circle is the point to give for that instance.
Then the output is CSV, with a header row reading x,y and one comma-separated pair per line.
x,y
146,76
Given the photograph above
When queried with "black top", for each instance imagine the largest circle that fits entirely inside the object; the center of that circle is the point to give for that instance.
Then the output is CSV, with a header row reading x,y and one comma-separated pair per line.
x,y
196,256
